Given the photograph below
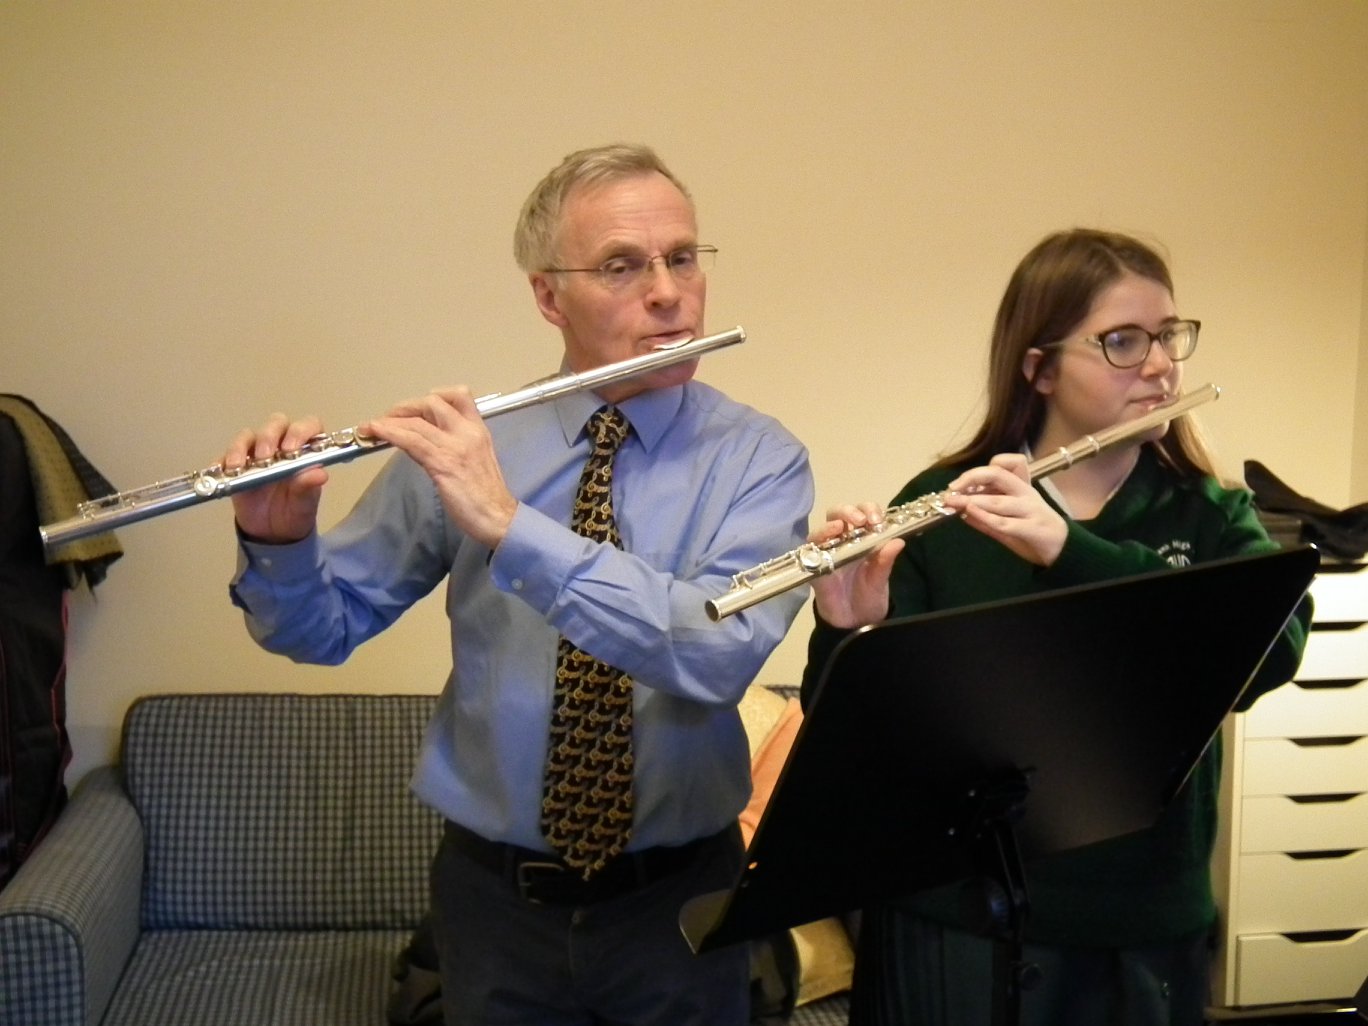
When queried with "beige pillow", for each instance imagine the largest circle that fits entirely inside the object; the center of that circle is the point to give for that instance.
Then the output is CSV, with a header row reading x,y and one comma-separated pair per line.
x,y
826,959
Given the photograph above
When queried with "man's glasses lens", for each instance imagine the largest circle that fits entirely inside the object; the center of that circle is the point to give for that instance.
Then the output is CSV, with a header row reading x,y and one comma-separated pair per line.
x,y
684,264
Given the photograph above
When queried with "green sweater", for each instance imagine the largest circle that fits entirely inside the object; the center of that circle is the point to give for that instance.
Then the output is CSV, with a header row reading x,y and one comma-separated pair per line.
x,y
1144,888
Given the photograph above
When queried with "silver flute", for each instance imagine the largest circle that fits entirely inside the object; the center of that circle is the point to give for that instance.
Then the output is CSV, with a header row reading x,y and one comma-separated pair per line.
x,y
813,559
215,482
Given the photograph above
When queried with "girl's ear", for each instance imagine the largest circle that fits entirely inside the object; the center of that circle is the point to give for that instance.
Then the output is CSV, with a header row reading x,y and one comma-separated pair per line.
x,y
1040,374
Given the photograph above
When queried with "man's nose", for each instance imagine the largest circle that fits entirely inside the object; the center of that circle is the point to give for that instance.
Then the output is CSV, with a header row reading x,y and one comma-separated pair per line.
x,y
661,286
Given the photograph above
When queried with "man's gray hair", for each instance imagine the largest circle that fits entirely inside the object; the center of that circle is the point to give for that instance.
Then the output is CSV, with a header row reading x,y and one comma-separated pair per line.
x,y
536,237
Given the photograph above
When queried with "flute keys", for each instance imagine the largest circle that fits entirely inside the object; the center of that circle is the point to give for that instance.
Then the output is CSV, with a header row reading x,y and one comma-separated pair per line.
x,y
816,559
205,484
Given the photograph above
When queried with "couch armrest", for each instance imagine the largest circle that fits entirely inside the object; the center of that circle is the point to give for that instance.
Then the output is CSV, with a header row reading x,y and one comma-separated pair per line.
x,y
70,917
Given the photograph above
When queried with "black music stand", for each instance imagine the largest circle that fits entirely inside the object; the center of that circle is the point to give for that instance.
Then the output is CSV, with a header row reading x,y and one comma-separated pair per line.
x,y
1004,731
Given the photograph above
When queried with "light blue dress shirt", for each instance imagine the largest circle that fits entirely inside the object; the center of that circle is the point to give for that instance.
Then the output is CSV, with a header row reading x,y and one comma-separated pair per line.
x,y
703,488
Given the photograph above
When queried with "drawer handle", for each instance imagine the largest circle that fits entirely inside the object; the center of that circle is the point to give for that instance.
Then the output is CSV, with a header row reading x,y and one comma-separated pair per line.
x,y
1331,626
1314,799
1323,742
1325,685
1334,853
1320,936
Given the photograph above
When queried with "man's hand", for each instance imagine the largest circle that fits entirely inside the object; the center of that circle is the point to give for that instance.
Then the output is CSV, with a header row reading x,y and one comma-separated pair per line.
x,y
444,434
285,510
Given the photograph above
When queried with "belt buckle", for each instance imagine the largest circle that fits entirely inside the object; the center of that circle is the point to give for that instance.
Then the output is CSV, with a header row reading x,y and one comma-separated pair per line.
x,y
527,873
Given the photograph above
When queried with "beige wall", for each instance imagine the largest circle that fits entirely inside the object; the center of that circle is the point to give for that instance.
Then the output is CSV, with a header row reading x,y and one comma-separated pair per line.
x,y
211,211
1359,475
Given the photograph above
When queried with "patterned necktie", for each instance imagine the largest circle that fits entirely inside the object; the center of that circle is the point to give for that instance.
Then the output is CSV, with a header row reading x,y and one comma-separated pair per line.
x,y
587,795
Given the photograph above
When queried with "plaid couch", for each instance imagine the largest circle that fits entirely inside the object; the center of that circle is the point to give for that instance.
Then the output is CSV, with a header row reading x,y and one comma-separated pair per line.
x,y
256,859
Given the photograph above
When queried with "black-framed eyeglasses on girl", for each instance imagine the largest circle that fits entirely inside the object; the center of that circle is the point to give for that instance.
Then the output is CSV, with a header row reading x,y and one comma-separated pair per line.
x,y
1129,346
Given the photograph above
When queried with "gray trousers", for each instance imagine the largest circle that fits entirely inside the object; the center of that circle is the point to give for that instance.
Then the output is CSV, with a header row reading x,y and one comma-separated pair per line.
x,y
506,961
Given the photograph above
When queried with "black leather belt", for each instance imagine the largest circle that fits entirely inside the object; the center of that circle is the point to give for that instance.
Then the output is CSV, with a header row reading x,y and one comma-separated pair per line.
x,y
544,878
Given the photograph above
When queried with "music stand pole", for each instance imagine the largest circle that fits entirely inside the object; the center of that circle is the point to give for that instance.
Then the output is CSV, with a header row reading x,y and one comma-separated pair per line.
x,y
996,805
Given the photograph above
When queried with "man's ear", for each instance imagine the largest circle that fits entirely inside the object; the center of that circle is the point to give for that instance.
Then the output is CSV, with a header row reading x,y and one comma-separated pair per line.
x,y
548,302
1041,376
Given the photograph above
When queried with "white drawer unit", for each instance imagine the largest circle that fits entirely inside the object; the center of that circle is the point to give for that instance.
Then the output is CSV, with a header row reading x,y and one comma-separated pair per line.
x,y
1299,895
1307,708
1338,654
1277,969
1291,860
1306,765
1339,593
1290,823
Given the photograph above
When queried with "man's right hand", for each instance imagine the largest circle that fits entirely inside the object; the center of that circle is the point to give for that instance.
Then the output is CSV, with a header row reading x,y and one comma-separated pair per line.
x,y
285,510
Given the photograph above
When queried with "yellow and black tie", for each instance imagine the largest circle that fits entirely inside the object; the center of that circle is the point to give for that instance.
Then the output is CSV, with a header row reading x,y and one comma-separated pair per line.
x,y
587,794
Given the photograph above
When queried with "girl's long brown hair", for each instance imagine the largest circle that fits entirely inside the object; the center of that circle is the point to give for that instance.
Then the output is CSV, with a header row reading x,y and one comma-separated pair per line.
x,y
1051,291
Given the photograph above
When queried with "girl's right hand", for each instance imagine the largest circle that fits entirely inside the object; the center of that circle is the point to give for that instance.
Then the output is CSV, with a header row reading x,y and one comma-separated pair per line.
x,y
855,594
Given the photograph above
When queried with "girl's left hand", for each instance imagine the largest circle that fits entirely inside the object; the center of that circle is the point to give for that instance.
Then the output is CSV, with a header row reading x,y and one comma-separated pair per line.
x,y
998,500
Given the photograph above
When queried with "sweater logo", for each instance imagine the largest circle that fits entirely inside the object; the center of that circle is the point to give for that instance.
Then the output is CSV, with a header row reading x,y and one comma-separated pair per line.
x,y
1177,553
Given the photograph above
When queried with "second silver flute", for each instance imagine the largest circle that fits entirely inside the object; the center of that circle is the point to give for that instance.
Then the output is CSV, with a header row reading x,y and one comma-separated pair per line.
x,y
798,567
215,482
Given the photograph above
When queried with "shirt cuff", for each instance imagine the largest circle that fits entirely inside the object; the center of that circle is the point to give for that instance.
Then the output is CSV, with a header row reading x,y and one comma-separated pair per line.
x,y
291,561
1084,559
270,576
535,558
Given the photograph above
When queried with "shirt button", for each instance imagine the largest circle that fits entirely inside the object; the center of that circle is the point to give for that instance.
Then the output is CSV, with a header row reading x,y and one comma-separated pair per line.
x,y
265,560
517,584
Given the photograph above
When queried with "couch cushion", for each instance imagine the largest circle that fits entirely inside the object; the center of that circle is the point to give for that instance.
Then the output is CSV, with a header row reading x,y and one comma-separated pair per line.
x,y
212,978
761,707
832,1011
280,811
825,957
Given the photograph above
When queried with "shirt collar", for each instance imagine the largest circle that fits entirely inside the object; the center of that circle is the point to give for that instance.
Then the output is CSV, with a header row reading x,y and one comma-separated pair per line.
x,y
649,413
